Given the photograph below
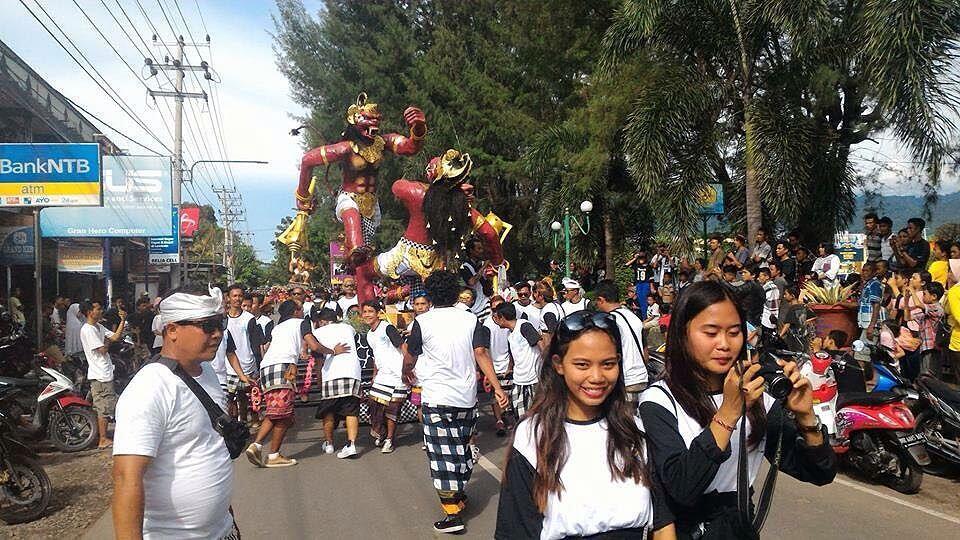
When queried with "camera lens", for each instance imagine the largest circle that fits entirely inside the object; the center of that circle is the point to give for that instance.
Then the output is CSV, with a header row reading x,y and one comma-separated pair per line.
x,y
777,385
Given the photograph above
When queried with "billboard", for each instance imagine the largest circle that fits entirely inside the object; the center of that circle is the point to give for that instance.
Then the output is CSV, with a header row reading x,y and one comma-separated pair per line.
x,y
79,256
711,200
189,221
16,245
49,174
136,202
338,263
166,249
852,251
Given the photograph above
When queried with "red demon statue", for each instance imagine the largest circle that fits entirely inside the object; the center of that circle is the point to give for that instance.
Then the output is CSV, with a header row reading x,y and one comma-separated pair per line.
x,y
359,154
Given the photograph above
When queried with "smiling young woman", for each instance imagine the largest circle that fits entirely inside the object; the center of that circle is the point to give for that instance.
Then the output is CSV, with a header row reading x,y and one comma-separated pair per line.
x,y
554,486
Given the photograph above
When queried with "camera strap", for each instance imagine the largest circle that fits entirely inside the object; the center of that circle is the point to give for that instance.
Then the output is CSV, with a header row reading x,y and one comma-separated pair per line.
x,y
213,410
743,479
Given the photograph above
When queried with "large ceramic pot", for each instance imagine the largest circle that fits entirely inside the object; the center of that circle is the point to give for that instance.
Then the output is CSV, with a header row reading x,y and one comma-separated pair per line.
x,y
836,317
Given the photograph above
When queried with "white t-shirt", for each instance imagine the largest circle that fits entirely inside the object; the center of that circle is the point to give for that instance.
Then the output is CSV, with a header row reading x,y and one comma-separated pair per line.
x,y
189,482
55,317
266,325
591,501
631,348
242,329
307,306
100,366
528,312
219,362
72,342
338,366
388,357
157,328
286,342
569,307
346,303
443,340
550,315
526,354
499,351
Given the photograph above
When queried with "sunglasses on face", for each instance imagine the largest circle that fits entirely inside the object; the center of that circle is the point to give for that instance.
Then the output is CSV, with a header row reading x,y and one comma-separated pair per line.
x,y
209,325
523,294
575,323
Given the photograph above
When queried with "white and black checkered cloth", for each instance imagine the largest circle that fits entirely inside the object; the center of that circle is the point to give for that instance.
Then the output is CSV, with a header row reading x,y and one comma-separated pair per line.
x,y
385,393
522,398
369,230
506,381
447,432
343,387
234,384
271,378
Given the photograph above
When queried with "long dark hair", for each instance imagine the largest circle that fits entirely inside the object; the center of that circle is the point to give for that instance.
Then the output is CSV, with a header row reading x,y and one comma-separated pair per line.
x,y
625,456
687,381
447,212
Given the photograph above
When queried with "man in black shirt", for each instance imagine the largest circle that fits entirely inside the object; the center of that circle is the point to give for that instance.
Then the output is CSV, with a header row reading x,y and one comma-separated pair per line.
x,y
915,253
788,265
751,295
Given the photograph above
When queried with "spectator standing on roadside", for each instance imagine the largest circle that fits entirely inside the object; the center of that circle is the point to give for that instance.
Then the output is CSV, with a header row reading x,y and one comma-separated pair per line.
x,y
887,238
740,254
771,304
751,295
951,305
939,267
914,253
804,265
871,229
788,265
928,312
715,262
16,307
827,265
663,263
173,477
642,276
94,338
762,252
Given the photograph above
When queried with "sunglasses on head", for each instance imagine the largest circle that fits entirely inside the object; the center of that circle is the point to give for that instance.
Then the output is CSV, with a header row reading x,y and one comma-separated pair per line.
x,y
208,325
575,323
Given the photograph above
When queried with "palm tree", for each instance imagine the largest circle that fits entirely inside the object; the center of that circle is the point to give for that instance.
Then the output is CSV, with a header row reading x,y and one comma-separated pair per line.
x,y
769,97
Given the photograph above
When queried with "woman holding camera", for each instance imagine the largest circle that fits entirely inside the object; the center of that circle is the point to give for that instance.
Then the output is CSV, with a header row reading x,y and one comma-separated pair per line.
x,y
578,465
693,417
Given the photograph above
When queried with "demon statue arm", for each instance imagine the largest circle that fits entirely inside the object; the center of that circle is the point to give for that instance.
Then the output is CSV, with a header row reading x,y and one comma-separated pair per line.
x,y
408,146
322,155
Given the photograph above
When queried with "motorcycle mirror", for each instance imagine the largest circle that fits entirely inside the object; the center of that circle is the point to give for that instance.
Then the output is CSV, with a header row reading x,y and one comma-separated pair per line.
x,y
858,345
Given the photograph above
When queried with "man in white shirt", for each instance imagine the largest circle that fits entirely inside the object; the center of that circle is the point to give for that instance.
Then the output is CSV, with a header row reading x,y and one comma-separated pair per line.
x,y
526,309
573,297
762,252
348,297
523,343
632,353
499,351
340,381
549,312
245,338
94,338
443,352
173,477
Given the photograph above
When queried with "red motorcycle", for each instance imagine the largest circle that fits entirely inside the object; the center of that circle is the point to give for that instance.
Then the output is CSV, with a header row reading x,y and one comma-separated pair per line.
x,y
873,432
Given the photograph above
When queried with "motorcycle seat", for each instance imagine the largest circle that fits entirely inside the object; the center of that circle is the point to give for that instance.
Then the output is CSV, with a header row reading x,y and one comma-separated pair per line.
x,y
867,398
942,390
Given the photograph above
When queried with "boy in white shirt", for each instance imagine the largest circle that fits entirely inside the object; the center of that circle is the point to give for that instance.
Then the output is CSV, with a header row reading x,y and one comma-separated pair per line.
x,y
523,345
94,338
340,376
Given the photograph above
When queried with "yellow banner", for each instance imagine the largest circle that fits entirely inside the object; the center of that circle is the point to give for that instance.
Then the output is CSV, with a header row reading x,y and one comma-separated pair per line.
x,y
39,189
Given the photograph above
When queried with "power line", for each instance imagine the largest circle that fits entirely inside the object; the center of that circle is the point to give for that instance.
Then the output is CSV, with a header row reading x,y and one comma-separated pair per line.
x,y
124,107
115,130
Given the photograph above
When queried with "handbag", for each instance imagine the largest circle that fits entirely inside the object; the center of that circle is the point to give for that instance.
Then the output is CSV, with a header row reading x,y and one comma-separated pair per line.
x,y
235,434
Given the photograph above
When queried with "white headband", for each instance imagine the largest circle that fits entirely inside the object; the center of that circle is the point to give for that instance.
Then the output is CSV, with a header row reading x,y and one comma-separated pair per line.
x,y
187,307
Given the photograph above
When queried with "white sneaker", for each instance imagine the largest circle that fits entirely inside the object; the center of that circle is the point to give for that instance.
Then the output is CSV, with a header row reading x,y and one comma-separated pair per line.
x,y
347,451
327,447
387,447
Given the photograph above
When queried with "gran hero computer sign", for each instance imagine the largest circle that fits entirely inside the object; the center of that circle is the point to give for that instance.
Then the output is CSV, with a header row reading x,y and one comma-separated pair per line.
x,y
45,174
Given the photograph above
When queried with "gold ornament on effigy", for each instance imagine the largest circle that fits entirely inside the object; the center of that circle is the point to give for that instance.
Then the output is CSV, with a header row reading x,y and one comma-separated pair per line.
x,y
371,153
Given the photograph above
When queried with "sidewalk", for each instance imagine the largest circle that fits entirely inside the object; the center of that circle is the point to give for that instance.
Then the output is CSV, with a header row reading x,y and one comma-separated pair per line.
x,y
101,529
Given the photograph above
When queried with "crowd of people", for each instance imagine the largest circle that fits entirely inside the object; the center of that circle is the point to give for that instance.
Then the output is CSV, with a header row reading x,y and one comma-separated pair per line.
x,y
566,370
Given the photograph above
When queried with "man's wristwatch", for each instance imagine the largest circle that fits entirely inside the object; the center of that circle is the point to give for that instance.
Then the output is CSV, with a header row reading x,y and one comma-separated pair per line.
x,y
816,428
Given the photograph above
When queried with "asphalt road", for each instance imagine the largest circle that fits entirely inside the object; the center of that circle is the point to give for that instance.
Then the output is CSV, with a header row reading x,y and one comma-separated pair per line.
x,y
379,496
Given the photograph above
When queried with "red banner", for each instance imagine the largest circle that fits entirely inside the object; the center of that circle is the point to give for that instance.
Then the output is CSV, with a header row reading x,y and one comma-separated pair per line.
x,y
189,221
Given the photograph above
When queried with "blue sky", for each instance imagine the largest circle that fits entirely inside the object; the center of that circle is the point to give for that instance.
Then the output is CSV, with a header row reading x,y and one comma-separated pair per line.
x,y
253,96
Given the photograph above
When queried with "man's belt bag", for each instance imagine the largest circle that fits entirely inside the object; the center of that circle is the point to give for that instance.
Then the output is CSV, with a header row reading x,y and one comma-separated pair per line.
x,y
235,434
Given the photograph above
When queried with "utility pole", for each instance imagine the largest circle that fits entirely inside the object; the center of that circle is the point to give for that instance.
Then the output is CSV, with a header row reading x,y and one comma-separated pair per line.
x,y
231,212
177,65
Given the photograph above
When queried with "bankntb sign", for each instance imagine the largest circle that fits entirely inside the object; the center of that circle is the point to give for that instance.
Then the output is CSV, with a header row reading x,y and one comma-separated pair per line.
x,y
49,174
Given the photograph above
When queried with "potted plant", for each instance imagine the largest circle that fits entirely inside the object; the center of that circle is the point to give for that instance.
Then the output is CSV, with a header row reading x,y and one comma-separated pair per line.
x,y
834,309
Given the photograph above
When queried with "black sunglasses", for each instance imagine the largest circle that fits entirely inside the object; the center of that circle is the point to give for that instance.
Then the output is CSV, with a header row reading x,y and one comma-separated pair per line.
x,y
209,325
575,323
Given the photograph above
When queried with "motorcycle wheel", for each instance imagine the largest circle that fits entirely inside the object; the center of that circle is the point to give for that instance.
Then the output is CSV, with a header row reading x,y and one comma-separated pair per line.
x,y
930,426
909,476
28,504
73,429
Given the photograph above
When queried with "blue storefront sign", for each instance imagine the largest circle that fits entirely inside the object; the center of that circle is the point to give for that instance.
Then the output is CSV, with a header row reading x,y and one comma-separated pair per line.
x,y
136,202
49,174
16,245
166,249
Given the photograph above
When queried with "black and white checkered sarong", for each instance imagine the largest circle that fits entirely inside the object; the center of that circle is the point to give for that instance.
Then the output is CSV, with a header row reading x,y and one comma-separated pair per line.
x,y
522,398
385,393
234,384
343,387
447,432
271,378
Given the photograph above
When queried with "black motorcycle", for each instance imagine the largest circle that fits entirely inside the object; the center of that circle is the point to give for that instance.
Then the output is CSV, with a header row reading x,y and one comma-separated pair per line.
x,y
25,488
938,417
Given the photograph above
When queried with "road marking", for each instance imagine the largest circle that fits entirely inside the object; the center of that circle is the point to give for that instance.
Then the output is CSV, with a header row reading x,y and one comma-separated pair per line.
x,y
891,498
490,467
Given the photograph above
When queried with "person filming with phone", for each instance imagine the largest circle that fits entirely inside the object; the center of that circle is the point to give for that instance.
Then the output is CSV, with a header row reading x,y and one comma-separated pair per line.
x,y
714,409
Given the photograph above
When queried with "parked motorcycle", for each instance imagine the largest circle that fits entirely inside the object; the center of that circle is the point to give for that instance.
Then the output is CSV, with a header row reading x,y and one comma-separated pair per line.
x,y
873,432
938,418
56,411
25,488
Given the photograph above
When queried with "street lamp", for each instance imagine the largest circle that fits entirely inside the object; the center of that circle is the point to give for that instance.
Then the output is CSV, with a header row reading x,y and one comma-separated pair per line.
x,y
586,207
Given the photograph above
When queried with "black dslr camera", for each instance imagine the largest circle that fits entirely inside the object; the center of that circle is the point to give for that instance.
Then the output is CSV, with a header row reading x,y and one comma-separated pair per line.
x,y
776,384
